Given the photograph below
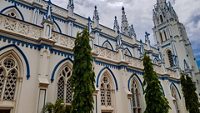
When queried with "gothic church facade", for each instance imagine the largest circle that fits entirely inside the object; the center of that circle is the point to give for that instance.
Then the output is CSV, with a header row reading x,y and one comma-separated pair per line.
x,y
36,57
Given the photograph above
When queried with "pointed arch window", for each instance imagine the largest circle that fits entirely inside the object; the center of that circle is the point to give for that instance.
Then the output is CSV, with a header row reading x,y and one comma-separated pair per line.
x,y
170,58
64,89
9,72
175,99
136,96
106,91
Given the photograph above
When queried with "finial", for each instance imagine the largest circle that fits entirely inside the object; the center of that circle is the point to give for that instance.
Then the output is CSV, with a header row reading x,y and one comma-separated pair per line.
x,y
116,25
132,31
124,23
96,14
48,15
70,7
96,17
89,25
123,8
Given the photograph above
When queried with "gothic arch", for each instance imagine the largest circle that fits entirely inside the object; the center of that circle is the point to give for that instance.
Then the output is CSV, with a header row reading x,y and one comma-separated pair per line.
x,y
173,85
56,27
128,52
64,89
175,98
107,70
134,76
68,60
13,9
155,60
11,76
107,45
19,53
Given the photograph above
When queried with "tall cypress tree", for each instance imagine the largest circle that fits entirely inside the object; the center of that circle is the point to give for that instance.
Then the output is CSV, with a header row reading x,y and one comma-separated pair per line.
x,y
191,98
155,99
83,75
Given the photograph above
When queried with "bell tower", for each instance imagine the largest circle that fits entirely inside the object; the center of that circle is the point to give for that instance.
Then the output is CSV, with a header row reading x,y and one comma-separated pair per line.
x,y
172,40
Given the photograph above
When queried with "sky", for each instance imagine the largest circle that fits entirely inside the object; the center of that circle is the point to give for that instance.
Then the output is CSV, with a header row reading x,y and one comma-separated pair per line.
x,y
139,13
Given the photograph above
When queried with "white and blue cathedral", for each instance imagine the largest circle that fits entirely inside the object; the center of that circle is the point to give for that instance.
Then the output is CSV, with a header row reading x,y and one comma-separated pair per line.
x,y
36,57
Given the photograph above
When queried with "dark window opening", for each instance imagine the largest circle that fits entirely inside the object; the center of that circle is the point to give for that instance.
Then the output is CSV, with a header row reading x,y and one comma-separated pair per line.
x,y
161,18
161,38
170,57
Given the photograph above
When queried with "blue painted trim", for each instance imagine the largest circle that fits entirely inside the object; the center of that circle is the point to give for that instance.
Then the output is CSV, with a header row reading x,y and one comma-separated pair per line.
x,y
130,81
23,55
57,65
108,43
60,31
172,84
166,45
27,6
100,73
155,60
128,51
15,7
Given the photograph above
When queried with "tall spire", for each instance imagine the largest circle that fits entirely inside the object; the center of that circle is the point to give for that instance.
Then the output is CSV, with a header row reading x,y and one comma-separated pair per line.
x,y
124,24
96,17
116,25
48,15
70,7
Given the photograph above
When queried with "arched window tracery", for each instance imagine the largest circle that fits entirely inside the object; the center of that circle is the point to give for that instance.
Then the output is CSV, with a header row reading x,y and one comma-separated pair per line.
x,y
107,91
64,89
136,96
9,72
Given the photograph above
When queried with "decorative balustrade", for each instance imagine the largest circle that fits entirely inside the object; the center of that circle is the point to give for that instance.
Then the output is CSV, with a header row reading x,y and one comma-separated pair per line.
x,y
106,53
22,28
63,40
134,61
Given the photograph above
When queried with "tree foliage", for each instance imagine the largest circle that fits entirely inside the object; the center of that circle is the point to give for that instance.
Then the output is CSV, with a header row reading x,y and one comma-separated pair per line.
x,y
58,107
83,75
154,97
191,98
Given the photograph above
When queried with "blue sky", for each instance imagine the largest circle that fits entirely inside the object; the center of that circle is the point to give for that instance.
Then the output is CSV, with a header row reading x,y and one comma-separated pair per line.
x,y
139,13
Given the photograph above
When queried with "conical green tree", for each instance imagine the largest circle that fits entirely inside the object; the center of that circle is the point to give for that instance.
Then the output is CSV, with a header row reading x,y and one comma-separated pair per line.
x,y
83,75
191,98
154,97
